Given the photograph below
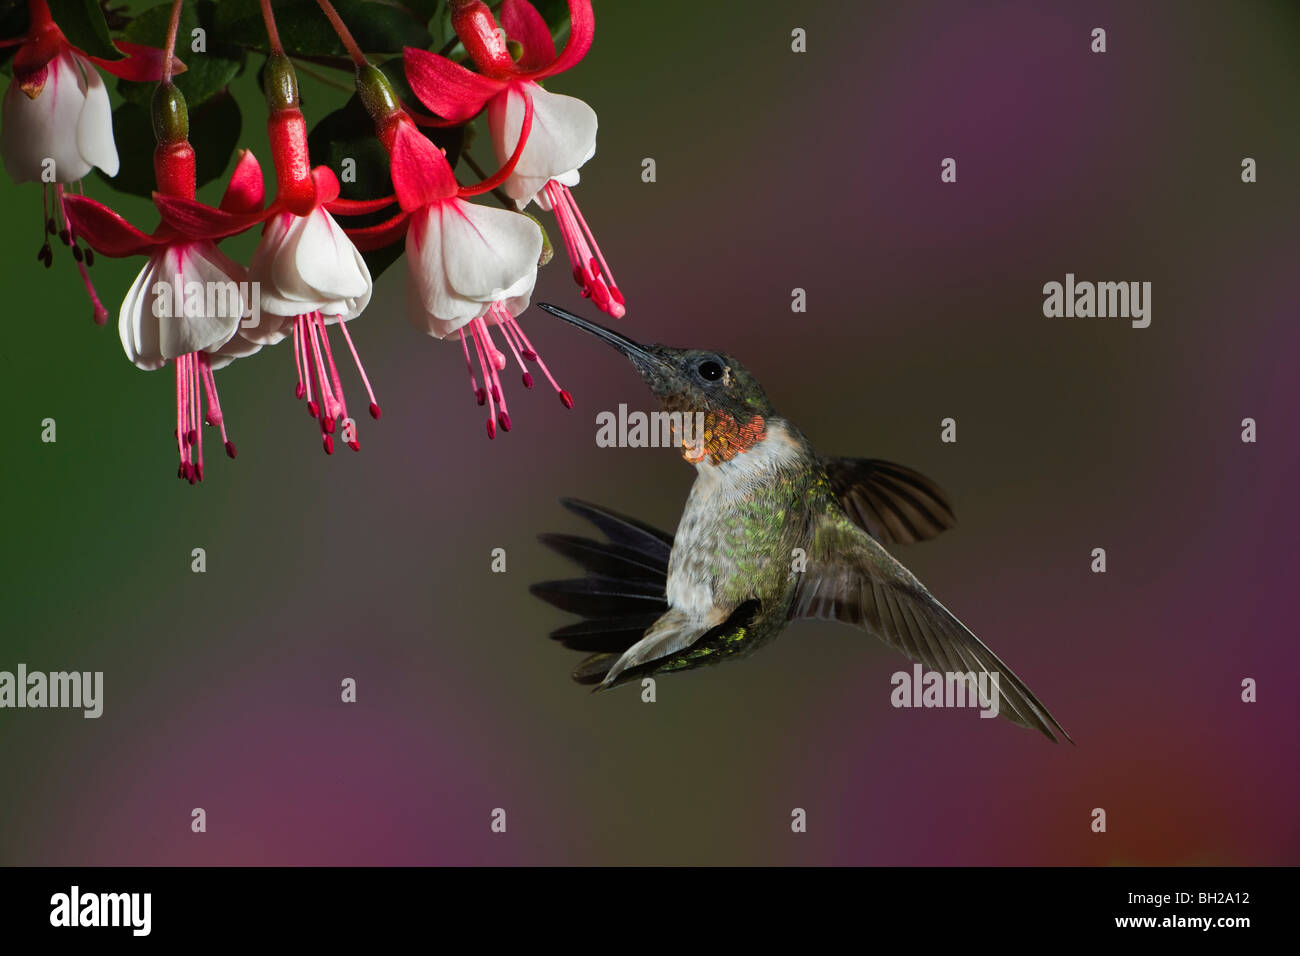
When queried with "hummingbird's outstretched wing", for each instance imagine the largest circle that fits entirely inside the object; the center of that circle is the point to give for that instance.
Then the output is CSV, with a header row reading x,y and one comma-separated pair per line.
x,y
851,578
891,502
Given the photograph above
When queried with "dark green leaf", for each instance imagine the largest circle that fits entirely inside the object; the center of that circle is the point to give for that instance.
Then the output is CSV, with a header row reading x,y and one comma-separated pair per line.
x,y
13,23
82,22
378,27
206,73
214,133
131,124
424,10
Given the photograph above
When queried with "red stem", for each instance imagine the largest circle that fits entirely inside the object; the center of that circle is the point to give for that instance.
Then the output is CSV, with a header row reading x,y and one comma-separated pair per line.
x,y
169,52
272,32
343,32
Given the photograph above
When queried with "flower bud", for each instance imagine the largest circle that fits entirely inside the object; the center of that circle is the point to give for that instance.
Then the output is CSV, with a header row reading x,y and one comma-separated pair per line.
x,y
281,84
171,119
377,95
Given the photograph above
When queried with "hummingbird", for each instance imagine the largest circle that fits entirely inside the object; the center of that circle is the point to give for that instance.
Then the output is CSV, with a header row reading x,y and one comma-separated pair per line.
x,y
771,532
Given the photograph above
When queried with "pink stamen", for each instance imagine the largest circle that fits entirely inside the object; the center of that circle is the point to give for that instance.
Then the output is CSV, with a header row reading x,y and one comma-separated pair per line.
x,y
181,444
215,416
375,411
196,414
508,322
319,379
317,369
299,390
480,395
488,375
590,270
100,313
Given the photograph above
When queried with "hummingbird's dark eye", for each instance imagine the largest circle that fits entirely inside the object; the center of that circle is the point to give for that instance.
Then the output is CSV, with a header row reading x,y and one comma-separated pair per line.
x,y
709,370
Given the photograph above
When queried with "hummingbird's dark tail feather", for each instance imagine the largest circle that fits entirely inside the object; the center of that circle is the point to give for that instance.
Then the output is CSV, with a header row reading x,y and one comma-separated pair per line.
x,y
623,593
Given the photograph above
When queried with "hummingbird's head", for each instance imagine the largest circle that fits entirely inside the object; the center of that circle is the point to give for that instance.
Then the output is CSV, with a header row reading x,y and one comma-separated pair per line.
x,y
709,387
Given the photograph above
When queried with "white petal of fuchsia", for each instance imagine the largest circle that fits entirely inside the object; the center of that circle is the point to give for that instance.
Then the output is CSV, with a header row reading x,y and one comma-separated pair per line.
x,y
432,305
285,278
330,264
137,325
238,347
95,125
274,305
563,137
269,329
517,304
214,303
45,128
488,253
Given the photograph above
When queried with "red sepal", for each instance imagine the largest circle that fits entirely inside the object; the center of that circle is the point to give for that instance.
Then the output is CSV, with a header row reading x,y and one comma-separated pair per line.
x,y
104,230
502,174
194,220
367,238
143,64
447,88
327,185
245,193
581,31
359,207
526,27
421,174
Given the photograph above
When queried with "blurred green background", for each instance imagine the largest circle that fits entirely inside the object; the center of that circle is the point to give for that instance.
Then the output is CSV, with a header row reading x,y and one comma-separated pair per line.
x,y
775,170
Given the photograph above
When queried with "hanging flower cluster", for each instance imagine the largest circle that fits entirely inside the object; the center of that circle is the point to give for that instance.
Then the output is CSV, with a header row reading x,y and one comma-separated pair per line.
x,y
471,267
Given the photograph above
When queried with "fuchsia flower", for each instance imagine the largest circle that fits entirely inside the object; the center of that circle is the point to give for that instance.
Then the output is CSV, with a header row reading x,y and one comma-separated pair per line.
x,y
187,302
57,123
306,271
469,266
311,276
563,128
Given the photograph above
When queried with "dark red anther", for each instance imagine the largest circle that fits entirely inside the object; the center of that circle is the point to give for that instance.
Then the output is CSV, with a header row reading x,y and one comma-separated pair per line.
x,y
65,237
313,409
76,253
354,445
50,226
230,449
328,424
481,394
329,444
528,380
496,393
100,315
491,428
90,257
375,413
198,471
192,436
529,354
180,470
566,398
504,418
299,391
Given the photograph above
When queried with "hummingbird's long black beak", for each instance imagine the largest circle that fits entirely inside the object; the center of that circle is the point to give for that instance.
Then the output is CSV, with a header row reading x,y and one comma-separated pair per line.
x,y
633,350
